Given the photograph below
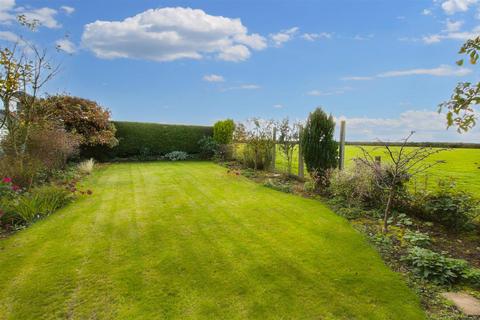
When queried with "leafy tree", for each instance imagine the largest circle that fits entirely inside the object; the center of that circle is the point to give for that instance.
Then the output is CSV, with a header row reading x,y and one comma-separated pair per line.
x,y
83,117
223,131
287,140
466,95
320,150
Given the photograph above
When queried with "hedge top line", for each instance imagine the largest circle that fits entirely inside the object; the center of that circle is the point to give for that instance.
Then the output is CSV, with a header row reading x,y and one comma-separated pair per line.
x,y
160,124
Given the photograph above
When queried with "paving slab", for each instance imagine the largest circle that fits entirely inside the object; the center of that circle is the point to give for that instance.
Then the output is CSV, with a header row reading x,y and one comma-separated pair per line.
x,y
468,304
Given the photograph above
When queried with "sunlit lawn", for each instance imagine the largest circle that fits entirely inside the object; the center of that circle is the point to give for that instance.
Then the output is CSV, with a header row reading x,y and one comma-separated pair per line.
x,y
190,241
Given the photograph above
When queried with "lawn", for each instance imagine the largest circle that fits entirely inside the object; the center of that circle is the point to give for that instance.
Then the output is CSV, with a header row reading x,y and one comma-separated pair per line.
x,y
188,240
462,165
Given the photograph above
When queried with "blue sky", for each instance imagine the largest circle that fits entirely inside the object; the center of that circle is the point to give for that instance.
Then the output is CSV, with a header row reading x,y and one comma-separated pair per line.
x,y
384,66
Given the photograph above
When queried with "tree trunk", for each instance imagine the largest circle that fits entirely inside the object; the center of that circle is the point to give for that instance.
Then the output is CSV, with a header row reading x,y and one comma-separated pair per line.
x,y
387,210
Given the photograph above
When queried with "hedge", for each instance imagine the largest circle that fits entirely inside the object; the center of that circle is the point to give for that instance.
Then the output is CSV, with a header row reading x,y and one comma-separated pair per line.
x,y
150,139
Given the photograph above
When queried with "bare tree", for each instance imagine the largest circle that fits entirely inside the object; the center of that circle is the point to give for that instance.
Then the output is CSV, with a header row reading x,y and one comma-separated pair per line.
x,y
402,164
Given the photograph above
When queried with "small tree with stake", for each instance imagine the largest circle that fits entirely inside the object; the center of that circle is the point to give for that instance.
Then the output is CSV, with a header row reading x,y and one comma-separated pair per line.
x,y
402,164
287,140
319,147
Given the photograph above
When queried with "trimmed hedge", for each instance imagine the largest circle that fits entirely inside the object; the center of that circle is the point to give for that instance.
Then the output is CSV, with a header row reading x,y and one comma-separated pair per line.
x,y
150,139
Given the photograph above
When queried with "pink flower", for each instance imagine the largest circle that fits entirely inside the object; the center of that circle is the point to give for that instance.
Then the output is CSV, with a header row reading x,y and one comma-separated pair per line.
x,y
15,187
7,180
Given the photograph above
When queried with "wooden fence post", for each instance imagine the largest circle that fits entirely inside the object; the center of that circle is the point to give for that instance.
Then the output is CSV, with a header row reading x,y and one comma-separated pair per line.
x,y
300,153
274,149
341,160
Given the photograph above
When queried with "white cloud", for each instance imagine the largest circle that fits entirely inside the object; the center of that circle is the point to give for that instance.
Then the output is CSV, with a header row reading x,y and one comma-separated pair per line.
x,y
243,87
44,16
9,36
68,10
213,78
452,26
453,6
283,36
441,71
453,34
316,36
359,37
169,34
319,93
428,125
278,106
426,12
357,78
66,46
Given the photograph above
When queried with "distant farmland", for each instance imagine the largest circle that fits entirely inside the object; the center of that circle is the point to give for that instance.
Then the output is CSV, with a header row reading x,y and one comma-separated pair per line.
x,y
461,164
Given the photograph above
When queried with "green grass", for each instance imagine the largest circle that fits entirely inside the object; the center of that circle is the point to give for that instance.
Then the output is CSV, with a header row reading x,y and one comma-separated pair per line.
x,y
462,165
189,241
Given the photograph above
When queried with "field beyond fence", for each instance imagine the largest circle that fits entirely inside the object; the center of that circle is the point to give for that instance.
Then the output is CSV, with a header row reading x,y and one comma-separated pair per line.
x,y
461,165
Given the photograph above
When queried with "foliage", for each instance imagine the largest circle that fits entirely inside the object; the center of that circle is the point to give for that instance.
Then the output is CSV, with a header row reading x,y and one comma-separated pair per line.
x,y
223,131
208,147
279,186
86,166
320,150
453,208
258,151
39,202
24,71
355,186
176,156
417,238
436,267
287,140
466,95
402,164
82,117
53,145
158,139
309,186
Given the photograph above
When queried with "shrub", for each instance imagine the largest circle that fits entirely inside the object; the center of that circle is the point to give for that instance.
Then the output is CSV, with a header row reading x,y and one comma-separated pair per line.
x,y
53,146
158,139
257,157
223,131
356,186
437,268
86,167
320,150
259,147
48,147
23,170
417,238
454,209
283,187
82,117
208,147
40,201
176,156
